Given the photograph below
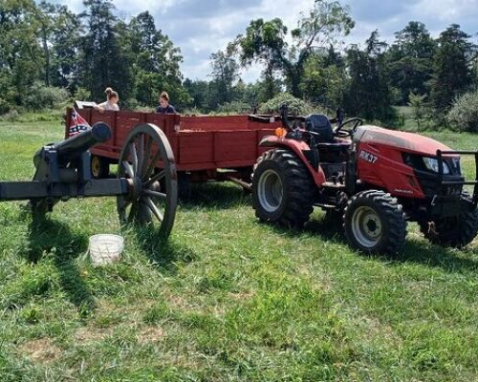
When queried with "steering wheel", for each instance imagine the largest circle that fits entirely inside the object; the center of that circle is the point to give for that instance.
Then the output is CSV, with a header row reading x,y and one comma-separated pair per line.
x,y
342,133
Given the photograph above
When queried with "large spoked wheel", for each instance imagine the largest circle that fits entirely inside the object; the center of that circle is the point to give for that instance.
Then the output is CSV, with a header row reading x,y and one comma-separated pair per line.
x,y
374,222
147,162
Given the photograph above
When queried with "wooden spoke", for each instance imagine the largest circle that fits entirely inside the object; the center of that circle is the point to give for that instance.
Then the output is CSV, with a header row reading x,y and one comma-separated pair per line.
x,y
152,165
155,178
129,169
123,202
156,194
147,155
154,209
134,156
140,155
132,213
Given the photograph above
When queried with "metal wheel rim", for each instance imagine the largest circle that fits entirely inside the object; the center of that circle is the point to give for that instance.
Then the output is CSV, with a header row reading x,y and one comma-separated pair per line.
x,y
366,226
271,190
154,193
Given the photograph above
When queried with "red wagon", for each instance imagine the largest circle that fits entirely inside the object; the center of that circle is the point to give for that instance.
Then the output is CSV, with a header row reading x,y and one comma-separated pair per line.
x,y
205,148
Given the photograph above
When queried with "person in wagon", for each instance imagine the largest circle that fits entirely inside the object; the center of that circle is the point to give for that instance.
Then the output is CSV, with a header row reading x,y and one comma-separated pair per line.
x,y
111,103
164,106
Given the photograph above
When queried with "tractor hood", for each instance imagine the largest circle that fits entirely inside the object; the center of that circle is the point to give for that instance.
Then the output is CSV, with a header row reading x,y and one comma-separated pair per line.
x,y
407,141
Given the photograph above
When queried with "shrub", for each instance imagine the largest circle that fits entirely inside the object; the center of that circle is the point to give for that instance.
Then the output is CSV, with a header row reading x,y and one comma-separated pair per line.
x,y
45,97
235,107
82,94
4,106
11,116
463,116
296,106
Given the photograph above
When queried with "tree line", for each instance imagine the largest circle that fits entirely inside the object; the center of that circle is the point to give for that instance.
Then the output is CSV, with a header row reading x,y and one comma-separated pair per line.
x,y
48,52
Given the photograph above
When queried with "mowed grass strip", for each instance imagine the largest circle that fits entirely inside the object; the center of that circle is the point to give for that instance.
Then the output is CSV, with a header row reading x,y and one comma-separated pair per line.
x,y
227,298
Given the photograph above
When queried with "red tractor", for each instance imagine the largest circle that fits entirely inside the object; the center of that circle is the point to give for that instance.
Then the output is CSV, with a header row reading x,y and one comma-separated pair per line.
x,y
373,179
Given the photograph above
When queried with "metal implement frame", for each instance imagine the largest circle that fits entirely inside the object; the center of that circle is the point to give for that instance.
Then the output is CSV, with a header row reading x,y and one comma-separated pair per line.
x,y
442,182
10,191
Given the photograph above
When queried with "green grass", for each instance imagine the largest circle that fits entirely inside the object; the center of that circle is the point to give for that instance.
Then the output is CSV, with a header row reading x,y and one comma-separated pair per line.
x,y
227,299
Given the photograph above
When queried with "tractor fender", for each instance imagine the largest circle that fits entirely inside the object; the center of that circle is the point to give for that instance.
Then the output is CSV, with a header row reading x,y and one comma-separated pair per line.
x,y
298,147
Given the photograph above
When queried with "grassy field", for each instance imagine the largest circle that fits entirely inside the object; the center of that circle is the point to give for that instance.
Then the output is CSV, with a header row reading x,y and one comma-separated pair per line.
x,y
227,299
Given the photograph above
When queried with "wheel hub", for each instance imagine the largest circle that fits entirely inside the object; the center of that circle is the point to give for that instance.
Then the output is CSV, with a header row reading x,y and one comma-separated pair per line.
x,y
270,190
135,188
366,226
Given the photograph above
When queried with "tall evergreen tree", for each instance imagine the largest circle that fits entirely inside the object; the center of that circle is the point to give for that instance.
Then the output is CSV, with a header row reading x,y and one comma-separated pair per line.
x,y
410,59
225,72
156,61
451,67
368,94
65,49
104,60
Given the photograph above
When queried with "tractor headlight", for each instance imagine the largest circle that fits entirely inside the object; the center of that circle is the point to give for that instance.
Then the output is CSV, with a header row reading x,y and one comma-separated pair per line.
x,y
432,165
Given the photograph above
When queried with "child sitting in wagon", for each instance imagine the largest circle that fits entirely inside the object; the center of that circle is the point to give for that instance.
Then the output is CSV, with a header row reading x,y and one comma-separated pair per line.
x,y
111,103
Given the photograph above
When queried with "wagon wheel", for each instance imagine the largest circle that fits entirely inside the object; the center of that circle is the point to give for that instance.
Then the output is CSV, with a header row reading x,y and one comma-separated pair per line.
x,y
153,193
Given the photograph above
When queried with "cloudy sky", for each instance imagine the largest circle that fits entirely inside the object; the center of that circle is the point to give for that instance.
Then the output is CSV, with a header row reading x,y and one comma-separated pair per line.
x,y
201,27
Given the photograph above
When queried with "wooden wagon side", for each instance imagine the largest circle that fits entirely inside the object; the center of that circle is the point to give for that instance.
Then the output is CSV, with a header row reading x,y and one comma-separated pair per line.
x,y
205,148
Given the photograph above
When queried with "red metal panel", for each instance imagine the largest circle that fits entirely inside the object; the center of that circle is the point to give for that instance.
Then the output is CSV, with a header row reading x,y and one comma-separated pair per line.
x,y
167,123
108,117
261,134
125,122
196,147
86,114
197,166
228,123
105,152
202,143
235,146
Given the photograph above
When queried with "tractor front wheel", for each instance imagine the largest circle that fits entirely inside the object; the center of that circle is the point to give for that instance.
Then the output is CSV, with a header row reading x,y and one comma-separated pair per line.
x,y
456,231
375,223
282,189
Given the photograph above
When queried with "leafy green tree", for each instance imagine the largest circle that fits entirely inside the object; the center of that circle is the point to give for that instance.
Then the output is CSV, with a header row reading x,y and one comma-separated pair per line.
x,y
451,68
20,52
45,16
410,59
225,73
104,60
369,94
156,62
324,81
65,49
266,41
418,105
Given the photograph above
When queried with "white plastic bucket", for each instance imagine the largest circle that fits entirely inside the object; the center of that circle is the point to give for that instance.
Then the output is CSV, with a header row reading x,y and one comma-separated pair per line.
x,y
104,249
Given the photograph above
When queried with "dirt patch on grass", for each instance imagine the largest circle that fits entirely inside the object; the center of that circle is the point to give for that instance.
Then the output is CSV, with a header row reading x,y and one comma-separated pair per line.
x,y
151,335
242,295
41,350
92,334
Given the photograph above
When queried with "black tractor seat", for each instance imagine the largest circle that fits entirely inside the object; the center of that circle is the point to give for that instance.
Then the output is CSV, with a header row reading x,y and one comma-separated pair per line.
x,y
320,124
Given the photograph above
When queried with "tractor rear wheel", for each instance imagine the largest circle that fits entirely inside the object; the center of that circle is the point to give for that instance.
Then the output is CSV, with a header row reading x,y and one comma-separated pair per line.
x,y
374,222
455,231
282,189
